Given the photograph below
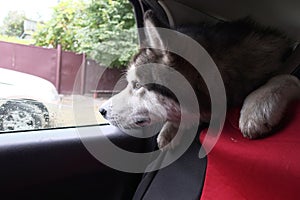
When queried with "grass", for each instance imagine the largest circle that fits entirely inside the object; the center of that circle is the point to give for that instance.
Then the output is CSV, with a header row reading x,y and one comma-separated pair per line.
x,y
15,40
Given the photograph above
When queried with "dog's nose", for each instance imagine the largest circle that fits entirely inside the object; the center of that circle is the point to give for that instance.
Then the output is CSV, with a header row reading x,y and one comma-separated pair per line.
x,y
103,112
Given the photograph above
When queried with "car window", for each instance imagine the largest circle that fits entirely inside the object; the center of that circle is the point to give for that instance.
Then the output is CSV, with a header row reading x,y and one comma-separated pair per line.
x,y
60,60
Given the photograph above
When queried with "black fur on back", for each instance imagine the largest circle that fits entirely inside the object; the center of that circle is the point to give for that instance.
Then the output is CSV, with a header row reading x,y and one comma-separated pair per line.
x,y
247,55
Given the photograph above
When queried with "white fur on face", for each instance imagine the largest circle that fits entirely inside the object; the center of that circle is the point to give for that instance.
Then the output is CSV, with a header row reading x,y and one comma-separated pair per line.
x,y
135,107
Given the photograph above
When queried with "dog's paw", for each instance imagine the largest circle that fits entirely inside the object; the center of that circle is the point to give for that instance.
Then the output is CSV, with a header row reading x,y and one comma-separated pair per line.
x,y
163,140
260,113
263,109
254,123
166,138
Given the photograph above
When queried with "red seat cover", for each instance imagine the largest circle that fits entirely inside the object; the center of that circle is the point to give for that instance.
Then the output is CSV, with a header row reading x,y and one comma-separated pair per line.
x,y
267,168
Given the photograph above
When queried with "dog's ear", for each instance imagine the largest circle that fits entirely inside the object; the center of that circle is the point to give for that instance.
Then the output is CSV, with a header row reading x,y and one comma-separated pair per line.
x,y
152,27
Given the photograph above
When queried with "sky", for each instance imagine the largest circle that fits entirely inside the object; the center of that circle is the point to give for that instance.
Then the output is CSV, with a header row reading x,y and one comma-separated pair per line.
x,y
34,9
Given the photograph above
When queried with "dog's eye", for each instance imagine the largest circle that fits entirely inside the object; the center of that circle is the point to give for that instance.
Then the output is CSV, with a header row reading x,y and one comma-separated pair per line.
x,y
136,85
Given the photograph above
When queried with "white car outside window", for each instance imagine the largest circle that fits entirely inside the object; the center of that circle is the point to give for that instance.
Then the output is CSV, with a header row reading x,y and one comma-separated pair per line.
x,y
26,102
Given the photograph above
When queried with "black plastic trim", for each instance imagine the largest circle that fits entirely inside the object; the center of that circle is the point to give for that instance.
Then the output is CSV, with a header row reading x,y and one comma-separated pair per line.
x,y
37,162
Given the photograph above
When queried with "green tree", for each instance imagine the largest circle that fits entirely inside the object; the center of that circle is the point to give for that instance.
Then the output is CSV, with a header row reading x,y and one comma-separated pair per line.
x,y
104,30
109,35
62,27
13,23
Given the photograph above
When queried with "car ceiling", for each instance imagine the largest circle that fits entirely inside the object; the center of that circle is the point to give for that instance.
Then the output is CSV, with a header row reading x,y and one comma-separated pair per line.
x,y
283,15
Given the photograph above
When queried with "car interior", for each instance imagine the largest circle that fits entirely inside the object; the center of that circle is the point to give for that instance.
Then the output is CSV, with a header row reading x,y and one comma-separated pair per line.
x,y
54,163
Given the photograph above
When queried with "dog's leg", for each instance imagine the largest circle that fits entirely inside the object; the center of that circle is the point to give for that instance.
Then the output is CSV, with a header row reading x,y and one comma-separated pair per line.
x,y
264,108
166,135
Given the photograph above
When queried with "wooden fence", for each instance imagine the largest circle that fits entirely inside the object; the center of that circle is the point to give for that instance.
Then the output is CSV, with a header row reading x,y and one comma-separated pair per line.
x,y
62,68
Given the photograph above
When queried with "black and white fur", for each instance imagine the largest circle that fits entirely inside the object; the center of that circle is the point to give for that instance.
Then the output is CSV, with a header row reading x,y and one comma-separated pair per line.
x,y
249,58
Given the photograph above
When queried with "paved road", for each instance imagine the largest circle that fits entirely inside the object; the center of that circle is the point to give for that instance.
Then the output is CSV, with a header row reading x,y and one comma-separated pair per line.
x,y
77,110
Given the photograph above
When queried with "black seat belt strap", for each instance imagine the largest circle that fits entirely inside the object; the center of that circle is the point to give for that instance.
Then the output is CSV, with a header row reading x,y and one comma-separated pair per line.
x,y
296,72
183,179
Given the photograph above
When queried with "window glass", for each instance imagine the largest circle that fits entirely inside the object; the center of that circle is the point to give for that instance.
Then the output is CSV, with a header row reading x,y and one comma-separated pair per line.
x,y
61,59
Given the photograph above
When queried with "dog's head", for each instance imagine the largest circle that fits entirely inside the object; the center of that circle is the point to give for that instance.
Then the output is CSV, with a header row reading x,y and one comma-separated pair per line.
x,y
146,100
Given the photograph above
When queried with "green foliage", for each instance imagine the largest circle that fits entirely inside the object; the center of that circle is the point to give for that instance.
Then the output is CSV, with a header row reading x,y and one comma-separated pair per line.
x,y
104,30
109,35
62,27
13,23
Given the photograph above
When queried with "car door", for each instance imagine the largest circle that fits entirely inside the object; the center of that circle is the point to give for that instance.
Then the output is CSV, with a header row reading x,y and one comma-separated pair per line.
x,y
55,161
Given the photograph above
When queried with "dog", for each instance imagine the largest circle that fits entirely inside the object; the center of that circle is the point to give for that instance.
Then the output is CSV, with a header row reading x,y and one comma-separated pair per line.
x,y
249,58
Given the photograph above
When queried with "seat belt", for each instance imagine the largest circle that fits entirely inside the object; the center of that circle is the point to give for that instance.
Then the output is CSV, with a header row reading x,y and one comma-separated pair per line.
x,y
292,64
182,179
296,72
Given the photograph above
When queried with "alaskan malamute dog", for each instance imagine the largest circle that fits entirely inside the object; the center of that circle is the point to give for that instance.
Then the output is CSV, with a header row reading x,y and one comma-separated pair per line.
x,y
249,58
